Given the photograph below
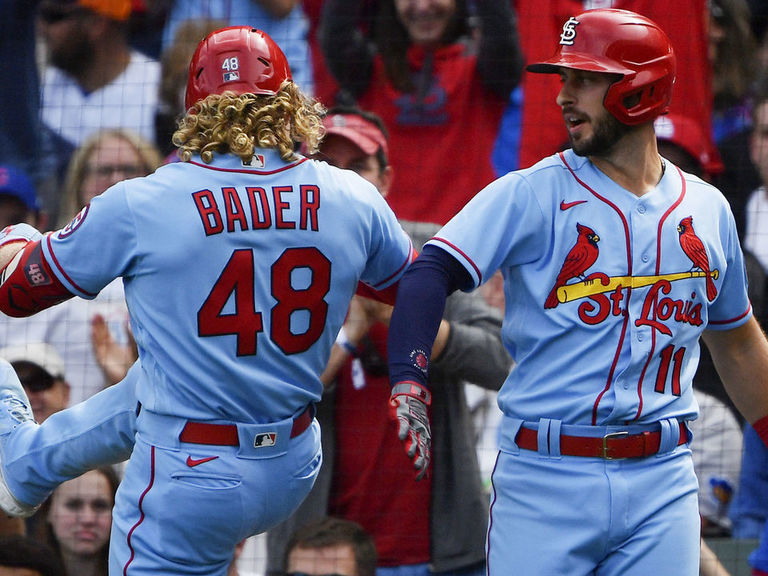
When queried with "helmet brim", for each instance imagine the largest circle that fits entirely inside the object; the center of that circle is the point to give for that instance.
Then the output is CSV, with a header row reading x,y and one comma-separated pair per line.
x,y
576,62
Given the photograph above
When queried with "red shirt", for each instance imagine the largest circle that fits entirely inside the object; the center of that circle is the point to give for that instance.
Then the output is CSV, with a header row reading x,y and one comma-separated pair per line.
x,y
374,480
440,143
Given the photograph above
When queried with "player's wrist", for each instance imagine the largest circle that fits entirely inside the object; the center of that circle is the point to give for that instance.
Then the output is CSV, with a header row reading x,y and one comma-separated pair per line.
x,y
342,340
412,390
761,427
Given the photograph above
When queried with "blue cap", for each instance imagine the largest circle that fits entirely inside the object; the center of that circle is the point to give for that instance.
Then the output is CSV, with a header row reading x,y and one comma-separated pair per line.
x,y
16,183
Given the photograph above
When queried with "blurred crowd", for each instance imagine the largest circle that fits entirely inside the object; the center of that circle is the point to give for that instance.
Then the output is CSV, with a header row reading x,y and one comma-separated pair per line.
x,y
428,100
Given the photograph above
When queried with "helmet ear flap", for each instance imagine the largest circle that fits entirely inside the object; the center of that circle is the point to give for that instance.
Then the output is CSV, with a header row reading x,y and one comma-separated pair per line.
x,y
625,43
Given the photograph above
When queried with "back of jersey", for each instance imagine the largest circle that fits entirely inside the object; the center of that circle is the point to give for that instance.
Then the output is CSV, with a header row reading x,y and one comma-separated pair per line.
x,y
237,277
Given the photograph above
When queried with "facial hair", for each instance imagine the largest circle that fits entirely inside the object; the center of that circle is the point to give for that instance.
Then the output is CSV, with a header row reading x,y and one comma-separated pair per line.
x,y
606,132
74,56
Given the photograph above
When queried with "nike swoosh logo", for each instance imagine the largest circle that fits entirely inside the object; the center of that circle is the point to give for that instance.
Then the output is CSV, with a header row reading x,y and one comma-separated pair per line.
x,y
191,462
565,205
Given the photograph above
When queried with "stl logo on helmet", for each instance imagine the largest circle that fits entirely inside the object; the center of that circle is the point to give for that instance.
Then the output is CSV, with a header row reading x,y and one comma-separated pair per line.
x,y
569,32
230,66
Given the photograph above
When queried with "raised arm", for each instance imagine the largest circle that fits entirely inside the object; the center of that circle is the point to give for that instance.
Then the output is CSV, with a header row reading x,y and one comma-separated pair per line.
x,y
347,51
500,58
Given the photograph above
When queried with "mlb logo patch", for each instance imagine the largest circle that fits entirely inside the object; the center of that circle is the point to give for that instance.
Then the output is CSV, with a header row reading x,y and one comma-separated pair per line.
x,y
256,161
231,76
265,440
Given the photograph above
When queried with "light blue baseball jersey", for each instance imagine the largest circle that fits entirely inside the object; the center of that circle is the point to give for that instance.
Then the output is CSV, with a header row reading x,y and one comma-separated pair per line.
x,y
619,343
237,277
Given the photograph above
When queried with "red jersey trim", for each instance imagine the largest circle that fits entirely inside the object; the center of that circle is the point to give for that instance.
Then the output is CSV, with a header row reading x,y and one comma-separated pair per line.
x,y
463,254
247,171
62,271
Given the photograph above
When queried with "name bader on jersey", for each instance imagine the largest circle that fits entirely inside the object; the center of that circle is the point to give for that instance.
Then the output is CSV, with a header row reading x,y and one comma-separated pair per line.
x,y
256,208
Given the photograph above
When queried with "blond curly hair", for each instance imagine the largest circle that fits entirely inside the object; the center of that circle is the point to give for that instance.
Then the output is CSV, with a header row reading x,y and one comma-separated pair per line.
x,y
238,124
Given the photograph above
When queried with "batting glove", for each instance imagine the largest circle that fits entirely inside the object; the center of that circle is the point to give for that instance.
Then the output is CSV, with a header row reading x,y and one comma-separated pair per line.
x,y
410,401
18,232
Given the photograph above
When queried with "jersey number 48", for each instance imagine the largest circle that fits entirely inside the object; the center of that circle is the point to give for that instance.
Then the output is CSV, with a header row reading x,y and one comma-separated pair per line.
x,y
237,280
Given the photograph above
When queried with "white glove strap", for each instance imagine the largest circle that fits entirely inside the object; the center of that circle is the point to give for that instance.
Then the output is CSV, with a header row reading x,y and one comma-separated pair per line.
x,y
19,232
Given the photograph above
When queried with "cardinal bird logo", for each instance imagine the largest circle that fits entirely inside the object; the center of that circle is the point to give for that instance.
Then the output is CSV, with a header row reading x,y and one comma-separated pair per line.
x,y
579,259
694,249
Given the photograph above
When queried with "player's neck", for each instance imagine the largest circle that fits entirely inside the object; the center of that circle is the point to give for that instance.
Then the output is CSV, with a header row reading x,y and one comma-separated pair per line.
x,y
634,164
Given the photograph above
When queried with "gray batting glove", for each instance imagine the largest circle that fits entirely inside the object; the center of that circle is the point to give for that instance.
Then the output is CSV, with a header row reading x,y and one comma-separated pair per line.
x,y
410,401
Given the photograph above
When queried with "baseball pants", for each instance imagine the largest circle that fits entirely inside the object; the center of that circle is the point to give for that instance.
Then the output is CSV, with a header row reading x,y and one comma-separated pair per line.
x,y
580,516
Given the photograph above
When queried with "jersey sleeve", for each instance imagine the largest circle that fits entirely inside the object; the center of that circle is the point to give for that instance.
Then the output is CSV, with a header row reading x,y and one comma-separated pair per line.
x,y
732,307
96,247
502,224
391,250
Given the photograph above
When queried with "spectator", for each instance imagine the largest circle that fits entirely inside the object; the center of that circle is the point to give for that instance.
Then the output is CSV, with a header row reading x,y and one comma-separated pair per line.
x,y
330,546
430,76
682,140
105,158
25,142
18,199
446,513
282,20
174,61
756,229
94,79
734,59
79,515
41,371
26,556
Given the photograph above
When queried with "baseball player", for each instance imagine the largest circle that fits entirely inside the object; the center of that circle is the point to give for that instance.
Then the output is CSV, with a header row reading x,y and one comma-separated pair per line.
x,y
239,264
615,263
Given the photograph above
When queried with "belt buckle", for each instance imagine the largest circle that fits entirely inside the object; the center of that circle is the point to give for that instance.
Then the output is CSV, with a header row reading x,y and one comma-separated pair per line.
x,y
605,455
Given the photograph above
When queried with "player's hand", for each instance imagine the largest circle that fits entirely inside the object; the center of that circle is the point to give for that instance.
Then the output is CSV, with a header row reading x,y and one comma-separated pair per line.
x,y
410,401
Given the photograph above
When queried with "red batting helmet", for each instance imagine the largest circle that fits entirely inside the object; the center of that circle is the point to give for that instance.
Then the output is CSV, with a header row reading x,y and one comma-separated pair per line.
x,y
241,59
619,42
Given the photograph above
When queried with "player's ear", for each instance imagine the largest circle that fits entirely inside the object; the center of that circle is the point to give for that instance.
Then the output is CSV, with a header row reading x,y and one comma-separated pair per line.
x,y
385,180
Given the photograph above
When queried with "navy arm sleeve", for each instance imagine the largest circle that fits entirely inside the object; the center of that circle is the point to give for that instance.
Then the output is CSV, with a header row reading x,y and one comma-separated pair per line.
x,y
421,296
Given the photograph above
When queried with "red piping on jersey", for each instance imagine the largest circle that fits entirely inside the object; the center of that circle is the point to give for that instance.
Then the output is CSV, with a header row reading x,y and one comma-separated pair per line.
x,y
629,288
739,317
467,258
663,218
61,270
246,171
141,509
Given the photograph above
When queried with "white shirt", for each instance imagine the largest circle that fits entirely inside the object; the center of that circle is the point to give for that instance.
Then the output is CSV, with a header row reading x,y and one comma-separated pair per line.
x,y
756,236
129,101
